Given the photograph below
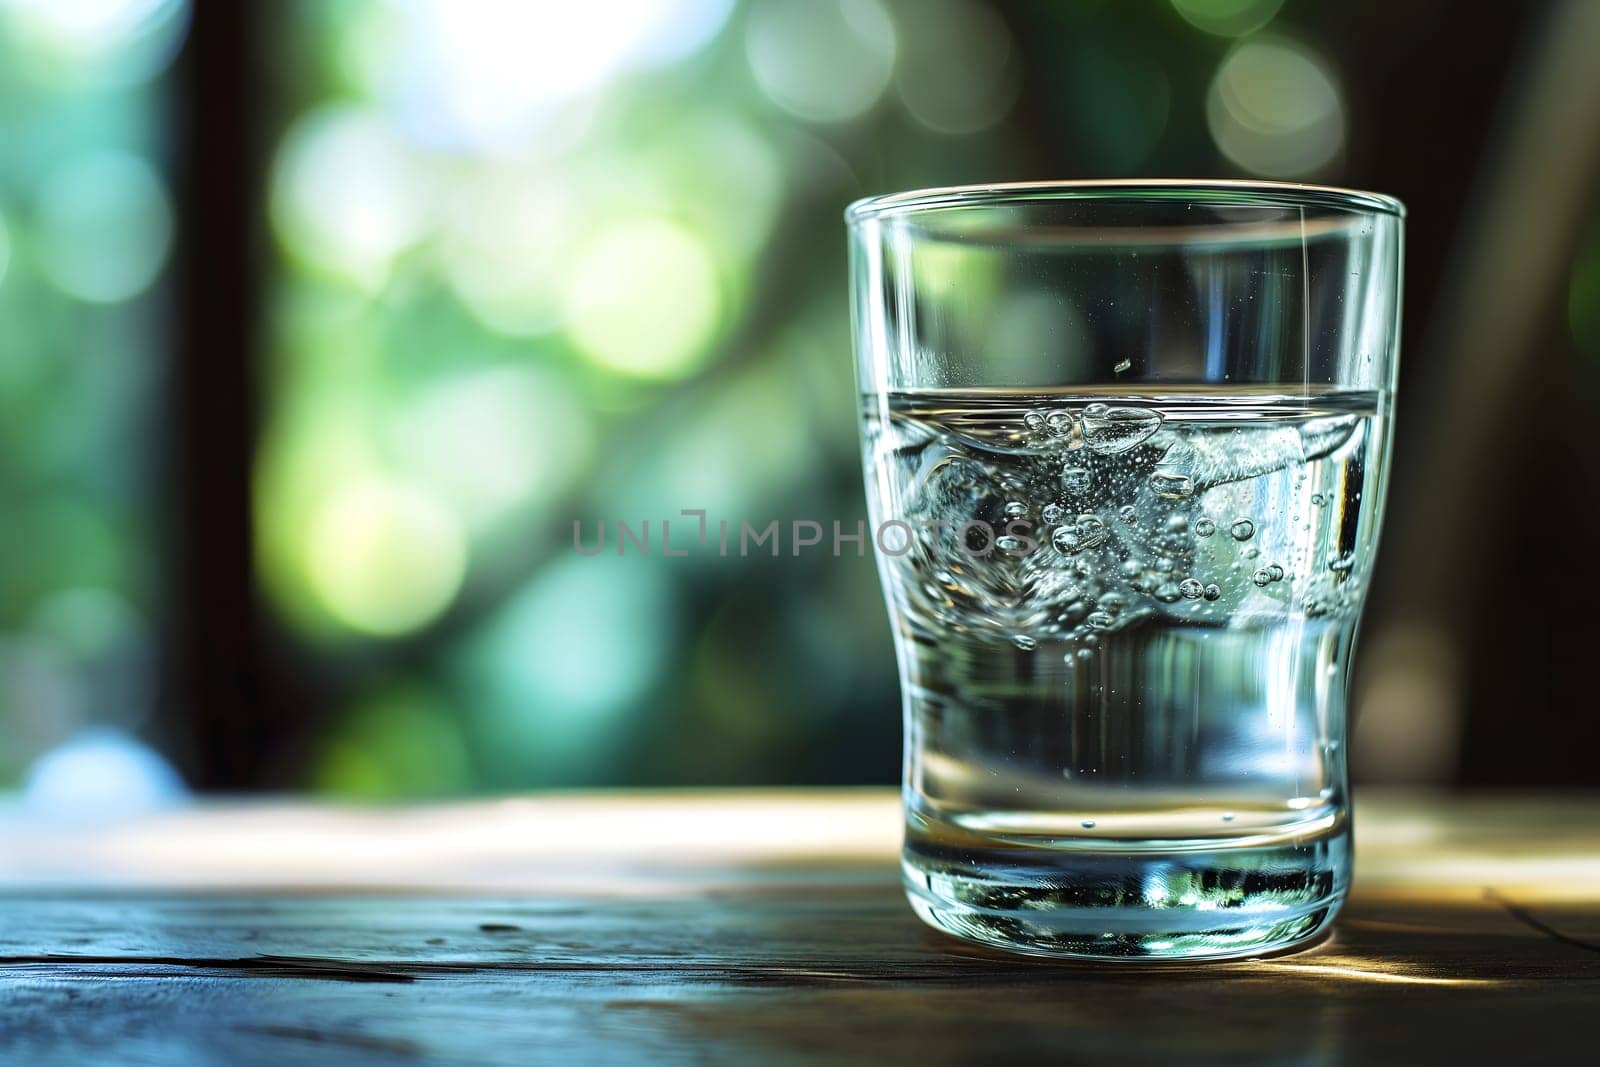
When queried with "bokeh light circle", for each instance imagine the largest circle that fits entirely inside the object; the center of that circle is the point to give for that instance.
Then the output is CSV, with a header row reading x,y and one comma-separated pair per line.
x,y
384,557
714,172
1275,109
494,439
100,43
503,248
955,74
104,226
484,74
1227,18
643,299
1583,298
401,740
572,664
821,60
100,774
347,194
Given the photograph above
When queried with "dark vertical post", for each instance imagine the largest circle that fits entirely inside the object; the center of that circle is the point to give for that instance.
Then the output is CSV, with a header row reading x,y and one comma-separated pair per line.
x,y
213,684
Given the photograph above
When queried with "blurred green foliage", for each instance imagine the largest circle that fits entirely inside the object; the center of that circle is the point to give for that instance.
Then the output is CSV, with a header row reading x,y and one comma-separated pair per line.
x,y
537,263
85,232
543,263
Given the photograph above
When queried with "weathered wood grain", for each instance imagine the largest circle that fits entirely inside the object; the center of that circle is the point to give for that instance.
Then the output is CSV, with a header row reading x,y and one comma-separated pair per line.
x,y
813,957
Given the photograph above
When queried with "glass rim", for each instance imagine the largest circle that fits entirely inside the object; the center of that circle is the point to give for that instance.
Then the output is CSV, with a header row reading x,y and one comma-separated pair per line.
x,y
1239,192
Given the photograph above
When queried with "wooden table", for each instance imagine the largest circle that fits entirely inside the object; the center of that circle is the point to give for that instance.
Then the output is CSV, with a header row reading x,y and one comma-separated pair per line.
x,y
743,927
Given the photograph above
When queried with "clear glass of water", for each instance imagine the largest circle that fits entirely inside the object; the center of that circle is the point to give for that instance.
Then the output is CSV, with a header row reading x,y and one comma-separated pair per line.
x,y
1126,447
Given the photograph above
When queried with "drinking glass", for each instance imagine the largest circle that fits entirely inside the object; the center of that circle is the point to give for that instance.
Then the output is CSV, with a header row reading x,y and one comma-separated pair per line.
x,y
1126,447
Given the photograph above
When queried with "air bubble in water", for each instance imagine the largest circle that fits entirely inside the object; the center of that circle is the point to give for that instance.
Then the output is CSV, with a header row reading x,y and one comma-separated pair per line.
x,y
1088,824
1316,498
1085,655
1053,513
1191,589
1007,543
1058,423
1024,642
1092,533
1276,572
1113,602
1341,564
1075,479
1228,816
1128,513
1168,593
1205,528
1321,436
1101,620
1110,431
1251,553
1033,421
1016,509
1262,577
1066,541
1216,459
1171,485
1242,530
1213,591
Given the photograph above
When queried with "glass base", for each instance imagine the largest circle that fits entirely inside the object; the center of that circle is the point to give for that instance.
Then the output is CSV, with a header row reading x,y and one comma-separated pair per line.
x,y
1213,903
